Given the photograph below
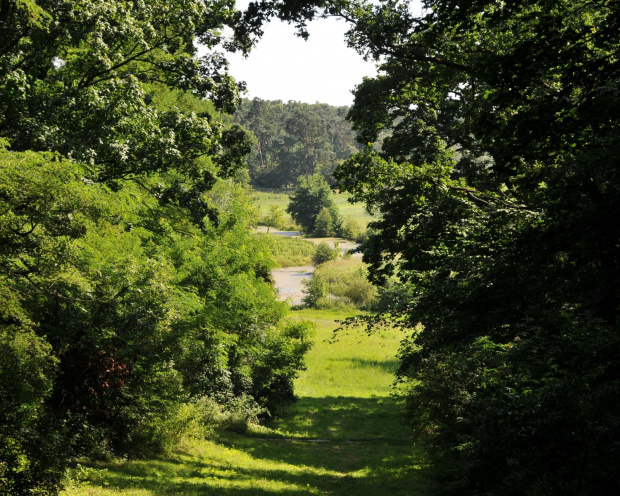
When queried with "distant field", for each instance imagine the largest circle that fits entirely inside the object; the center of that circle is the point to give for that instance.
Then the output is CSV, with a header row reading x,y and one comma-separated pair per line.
x,y
265,198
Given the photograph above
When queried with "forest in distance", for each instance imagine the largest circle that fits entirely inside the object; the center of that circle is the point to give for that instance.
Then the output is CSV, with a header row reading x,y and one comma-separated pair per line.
x,y
140,329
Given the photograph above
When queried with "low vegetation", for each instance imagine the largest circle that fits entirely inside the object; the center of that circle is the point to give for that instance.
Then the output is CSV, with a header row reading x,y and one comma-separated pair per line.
x,y
342,282
288,251
266,198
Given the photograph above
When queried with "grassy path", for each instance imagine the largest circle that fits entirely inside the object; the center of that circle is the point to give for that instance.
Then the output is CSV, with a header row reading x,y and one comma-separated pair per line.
x,y
343,437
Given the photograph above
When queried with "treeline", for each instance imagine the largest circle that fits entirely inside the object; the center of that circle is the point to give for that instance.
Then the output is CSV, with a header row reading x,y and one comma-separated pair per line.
x,y
295,140
135,303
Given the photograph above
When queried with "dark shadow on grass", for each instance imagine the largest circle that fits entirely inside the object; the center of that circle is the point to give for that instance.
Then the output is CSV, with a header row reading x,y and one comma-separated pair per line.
x,y
387,365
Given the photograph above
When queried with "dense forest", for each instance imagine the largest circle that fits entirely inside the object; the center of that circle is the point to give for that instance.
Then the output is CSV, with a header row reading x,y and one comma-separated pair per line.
x,y
294,139
135,298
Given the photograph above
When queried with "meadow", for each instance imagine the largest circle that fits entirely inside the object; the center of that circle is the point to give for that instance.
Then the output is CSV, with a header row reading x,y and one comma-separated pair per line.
x,y
265,198
289,251
344,436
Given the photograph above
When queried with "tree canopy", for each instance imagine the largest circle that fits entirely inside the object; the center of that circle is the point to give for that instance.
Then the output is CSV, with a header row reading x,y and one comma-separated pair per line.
x,y
132,288
295,139
312,197
494,176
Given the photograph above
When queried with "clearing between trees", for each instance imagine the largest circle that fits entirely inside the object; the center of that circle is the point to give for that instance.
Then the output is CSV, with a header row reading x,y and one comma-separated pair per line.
x,y
344,436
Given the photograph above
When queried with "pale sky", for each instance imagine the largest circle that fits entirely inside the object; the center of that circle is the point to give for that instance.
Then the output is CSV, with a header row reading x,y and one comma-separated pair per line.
x,y
284,67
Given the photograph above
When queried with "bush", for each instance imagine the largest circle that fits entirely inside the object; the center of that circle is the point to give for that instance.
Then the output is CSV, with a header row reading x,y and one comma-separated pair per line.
x,y
275,218
324,224
314,290
278,364
206,414
393,295
340,282
324,253
33,455
351,230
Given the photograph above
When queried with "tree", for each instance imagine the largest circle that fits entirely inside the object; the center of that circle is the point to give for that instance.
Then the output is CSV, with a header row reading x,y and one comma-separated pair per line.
x,y
309,198
494,183
129,278
324,224
275,218
295,139
80,78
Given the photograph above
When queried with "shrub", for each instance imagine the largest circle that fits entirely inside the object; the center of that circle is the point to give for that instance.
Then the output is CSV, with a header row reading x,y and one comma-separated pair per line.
x,y
346,283
351,229
278,363
314,289
234,413
275,218
324,253
324,224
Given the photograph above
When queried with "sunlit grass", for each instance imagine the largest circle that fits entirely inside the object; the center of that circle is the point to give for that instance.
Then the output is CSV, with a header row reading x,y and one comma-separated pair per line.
x,y
264,199
356,365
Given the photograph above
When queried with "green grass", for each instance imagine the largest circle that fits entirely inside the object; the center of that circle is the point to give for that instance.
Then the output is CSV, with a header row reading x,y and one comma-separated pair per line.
x,y
343,437
289,252
265,198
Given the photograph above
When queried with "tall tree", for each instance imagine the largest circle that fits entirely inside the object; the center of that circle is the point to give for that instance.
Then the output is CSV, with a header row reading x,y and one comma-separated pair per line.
x,y
129,279
496,184
311,196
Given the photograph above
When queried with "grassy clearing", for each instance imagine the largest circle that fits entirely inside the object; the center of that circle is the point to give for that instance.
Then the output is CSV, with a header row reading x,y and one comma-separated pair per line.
x,y
343,437
265,198
288,251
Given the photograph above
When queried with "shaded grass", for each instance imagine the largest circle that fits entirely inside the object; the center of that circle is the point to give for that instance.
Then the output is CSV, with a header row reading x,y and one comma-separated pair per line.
x,y
343,437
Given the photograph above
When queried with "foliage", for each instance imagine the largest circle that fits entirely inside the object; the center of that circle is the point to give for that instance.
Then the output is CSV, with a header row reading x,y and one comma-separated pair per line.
x,y
324,253
310,197
278,363
495,187
130,280
324,224
266,198
315,289
295,139
345,393
346,284
276,218
352,230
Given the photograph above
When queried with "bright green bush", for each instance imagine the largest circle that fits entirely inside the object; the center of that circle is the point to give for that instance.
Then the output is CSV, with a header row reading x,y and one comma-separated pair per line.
x,y
339,283
351,229
315,289
324,253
